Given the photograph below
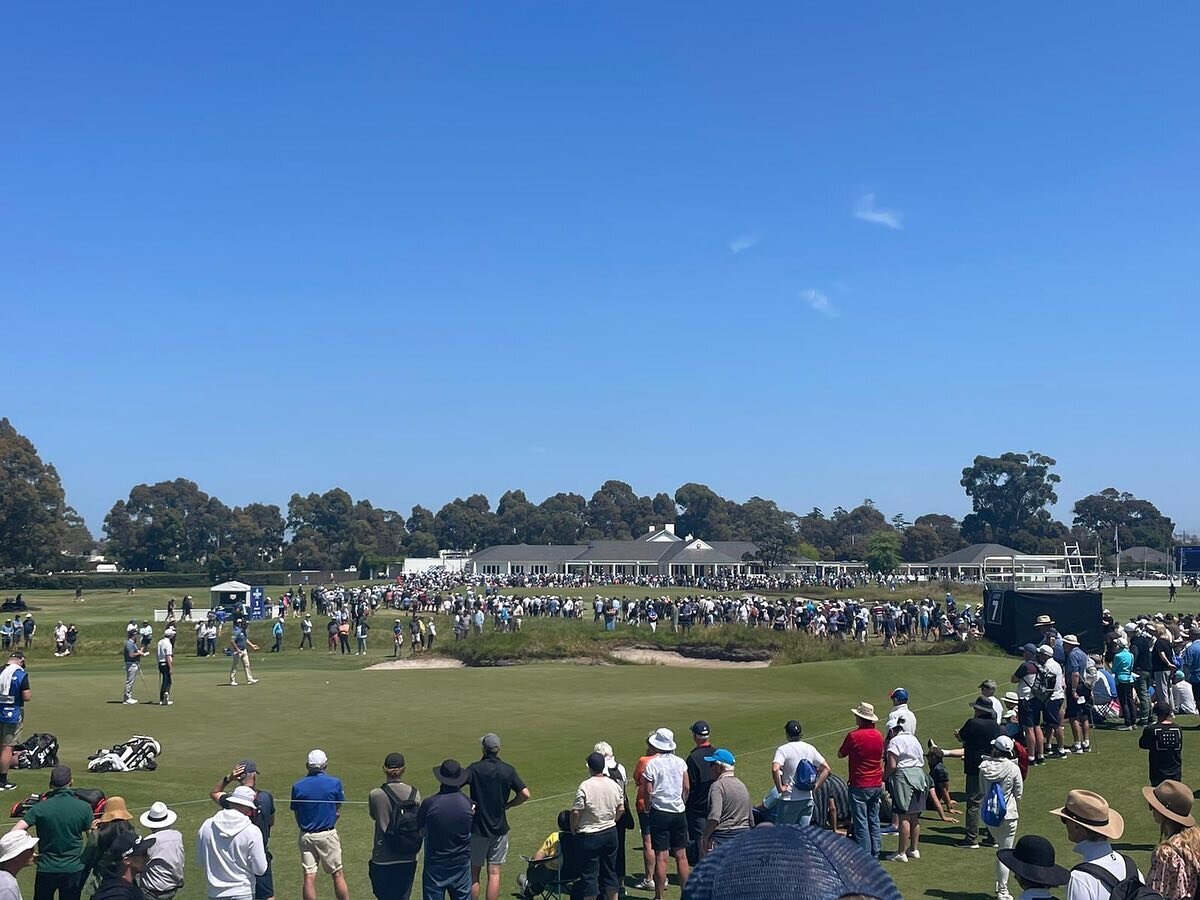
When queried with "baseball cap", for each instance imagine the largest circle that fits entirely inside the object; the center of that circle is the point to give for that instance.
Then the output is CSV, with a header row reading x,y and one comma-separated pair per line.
x,y
792,727
700,728
317,759
60,777
1004,744
249,767
1029,648
490,742
900,695
721,756
394,761
1045,650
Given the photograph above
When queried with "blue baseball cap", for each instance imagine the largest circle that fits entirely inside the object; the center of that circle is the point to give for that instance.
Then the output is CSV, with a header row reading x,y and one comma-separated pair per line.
x,y
900,695
1029,648
721,756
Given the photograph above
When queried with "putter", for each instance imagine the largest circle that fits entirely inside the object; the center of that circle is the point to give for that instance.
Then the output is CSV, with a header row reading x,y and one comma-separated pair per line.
x,y
145,686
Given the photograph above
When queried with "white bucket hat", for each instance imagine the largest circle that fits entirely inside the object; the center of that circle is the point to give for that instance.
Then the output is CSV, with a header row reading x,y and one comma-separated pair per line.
x,y
15,843
663,739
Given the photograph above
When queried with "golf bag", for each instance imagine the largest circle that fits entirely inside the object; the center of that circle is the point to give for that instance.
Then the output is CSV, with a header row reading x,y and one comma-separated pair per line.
x,y
39,752
139,752
91,796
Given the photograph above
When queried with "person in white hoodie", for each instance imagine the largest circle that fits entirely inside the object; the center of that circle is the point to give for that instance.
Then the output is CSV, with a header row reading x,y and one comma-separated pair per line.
x,y
1001,769
229,847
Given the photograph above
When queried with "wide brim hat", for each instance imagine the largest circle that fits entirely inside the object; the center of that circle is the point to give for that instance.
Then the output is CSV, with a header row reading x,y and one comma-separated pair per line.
x,y
159,815
450,780
662,739
1092,811
865,711
114,809
15,843
1047,875
1043,620
1176,793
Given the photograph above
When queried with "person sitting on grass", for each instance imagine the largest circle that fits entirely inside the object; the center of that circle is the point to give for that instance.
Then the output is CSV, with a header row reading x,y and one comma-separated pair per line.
x,y
940,797
1031,862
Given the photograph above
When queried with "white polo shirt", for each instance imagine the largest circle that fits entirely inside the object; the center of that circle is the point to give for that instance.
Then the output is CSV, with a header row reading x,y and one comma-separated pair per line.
x,y
664,776
164,650
910,718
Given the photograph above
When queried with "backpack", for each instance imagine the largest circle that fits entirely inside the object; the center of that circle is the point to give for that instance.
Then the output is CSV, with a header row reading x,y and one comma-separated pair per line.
x,y
1127,888
401,837
1047,681
805,778
994,805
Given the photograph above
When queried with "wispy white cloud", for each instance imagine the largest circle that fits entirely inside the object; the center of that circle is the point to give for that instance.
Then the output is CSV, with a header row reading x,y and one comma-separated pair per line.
x,y
742,243
819,301
868,210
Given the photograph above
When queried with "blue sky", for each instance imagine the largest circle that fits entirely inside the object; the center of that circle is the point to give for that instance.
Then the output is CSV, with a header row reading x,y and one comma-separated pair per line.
x,y
811,252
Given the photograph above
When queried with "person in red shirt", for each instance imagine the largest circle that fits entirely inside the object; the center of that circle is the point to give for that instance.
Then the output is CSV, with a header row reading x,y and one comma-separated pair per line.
x,y
864,748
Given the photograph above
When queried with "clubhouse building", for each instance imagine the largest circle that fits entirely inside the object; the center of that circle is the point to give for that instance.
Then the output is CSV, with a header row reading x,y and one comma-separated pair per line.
x,y
658,552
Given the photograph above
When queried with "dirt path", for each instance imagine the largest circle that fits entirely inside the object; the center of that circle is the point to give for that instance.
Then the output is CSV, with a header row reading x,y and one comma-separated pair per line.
x,y
671,658
432,662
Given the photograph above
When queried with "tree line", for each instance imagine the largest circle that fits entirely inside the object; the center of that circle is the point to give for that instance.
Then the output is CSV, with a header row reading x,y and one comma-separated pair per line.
x,y
176,526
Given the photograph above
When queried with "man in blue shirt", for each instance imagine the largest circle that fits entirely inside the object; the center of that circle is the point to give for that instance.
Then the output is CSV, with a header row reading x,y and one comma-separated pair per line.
x,y
1191,662
1079,696
241,646
14,694
445,820
316,802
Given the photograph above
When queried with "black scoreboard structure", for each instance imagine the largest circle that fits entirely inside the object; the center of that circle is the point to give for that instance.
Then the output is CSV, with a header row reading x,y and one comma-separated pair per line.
x,y
1009,613
1187,560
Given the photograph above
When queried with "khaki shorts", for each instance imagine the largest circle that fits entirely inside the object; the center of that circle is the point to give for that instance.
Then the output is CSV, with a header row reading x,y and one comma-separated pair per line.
x,y
10,734
321,850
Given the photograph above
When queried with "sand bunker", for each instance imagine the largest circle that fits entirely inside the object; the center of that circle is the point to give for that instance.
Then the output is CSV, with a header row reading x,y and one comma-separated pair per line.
x,y
671,658
432,662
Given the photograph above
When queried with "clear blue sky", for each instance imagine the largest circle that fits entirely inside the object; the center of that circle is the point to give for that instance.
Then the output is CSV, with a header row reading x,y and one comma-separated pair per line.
x,y
810,252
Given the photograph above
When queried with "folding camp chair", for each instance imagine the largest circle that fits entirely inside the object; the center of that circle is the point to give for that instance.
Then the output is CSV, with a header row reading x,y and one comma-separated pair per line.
x,y
544,882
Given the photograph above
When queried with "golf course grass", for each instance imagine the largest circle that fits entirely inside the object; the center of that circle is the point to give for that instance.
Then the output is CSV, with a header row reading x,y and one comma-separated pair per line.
x,y
548,715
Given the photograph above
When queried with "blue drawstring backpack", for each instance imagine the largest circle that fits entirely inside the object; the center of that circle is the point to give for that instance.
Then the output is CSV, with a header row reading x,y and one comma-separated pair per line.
x,y
994,805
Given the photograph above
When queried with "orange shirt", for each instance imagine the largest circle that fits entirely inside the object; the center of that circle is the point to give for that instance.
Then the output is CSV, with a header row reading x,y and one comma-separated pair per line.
x,y
637,780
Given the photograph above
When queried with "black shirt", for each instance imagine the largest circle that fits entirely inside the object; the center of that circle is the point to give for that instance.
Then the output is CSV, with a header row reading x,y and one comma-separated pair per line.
x,y
1165,743
445,818
1161,646
492,781
977,734
700,779
1142,645
116,888
264,814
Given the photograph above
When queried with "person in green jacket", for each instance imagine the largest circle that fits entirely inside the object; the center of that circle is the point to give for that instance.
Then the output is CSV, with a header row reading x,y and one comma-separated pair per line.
x,y
61,821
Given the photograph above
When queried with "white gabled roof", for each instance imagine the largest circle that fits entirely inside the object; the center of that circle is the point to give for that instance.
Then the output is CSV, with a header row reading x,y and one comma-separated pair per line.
x,y
226,587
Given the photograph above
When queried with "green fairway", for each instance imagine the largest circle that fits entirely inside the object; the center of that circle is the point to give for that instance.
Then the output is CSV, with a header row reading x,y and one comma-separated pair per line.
x,y
547,715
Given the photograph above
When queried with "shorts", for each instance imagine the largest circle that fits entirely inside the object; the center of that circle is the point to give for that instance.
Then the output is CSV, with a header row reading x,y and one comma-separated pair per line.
x,y
10,734
264,884
1028,712
644,822
668,831
487,849
321,850
1077,710
1052,713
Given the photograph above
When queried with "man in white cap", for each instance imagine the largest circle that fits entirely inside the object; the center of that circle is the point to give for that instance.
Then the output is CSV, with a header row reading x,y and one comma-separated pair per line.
x,y
1079,695
1054,689
162,878
663,787
16,852
316,804
229,848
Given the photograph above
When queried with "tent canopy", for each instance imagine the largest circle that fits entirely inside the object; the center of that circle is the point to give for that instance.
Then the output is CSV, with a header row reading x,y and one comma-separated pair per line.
x,y
230,587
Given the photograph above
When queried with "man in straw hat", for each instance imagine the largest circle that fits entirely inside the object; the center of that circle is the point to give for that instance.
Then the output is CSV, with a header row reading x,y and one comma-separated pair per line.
x,y
16,852
1031,861
61,820
1091,825
863,747
229,848
663,787
162,878
445,820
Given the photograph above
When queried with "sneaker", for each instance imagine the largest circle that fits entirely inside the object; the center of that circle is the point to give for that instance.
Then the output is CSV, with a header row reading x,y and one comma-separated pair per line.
x,y
1087,748
1124,728
889,829
168,703
968,844
232,683
253,681
931,745
130,701
914,854
646,884
8,786
896,857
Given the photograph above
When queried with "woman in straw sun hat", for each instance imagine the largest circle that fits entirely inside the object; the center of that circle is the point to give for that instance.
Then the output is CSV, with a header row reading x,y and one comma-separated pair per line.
x,y
1175,866
1091,824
